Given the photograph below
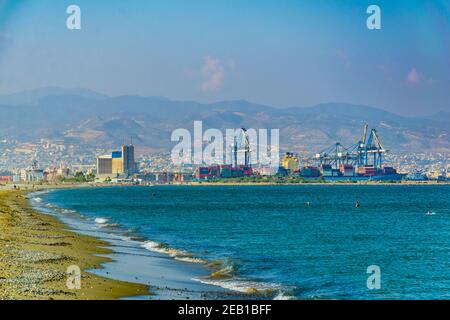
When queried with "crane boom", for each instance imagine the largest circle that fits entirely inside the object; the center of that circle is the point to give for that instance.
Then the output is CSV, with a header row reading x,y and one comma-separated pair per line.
x,y
364,135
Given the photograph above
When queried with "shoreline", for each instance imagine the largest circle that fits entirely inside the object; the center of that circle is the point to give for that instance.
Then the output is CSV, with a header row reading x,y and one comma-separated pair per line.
x,y
327,183
41,187
169,273
36,250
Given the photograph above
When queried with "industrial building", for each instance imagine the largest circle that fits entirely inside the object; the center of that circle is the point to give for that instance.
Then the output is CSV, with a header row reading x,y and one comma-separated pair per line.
x,y
290,162
118,163
104,165
223,171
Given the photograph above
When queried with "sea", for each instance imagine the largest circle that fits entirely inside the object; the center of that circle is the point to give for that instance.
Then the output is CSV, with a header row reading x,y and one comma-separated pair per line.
x,y
277,242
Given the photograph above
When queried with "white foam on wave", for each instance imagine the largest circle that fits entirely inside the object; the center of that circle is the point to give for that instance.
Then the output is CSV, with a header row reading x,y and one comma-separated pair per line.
x,y
37,199
190,259
67,211
283,296
179,255
154,246
101,220
226,274
244,286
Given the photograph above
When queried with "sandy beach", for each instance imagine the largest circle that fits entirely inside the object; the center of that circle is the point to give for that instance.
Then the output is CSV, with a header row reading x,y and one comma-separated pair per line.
x,y
36,250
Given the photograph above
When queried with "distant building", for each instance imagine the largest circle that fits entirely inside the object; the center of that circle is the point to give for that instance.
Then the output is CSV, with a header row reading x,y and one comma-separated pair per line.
x,y
5,179
223,171
32,175
267,171
290,162
104,165
118,163
128,164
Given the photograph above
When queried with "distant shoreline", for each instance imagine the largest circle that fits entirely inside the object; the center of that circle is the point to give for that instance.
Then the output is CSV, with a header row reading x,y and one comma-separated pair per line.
x,y
39,187
328,183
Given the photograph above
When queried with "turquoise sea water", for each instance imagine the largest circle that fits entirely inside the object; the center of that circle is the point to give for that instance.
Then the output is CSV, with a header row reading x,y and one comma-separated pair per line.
x,y
268,237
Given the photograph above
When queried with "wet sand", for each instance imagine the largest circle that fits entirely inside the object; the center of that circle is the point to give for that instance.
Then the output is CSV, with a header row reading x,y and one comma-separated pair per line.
x,y
36,250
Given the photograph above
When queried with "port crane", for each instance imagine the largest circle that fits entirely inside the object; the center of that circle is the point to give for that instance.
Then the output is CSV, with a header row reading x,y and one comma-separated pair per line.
x,y
336,155
368,148
374,149
241,144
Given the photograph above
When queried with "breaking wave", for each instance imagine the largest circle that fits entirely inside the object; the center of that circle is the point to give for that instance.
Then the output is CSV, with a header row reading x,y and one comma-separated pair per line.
x,y
180,255
261,289
224,274
284,296
101,220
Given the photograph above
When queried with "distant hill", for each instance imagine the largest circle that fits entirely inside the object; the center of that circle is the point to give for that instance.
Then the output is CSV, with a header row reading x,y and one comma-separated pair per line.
x,y
81,115
31,97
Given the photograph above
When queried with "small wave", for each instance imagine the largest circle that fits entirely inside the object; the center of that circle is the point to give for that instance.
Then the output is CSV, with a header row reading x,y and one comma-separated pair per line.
x,y
114,226
101,220
190,259
227,271
67,211
244,286
284,296
180,255
37,199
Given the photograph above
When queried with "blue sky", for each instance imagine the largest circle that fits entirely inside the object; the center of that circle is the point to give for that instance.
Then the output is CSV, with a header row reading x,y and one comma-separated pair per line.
x,y
278,52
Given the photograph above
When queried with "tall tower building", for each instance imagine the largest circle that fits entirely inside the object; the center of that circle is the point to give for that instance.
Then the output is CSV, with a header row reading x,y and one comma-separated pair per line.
x,y
128,165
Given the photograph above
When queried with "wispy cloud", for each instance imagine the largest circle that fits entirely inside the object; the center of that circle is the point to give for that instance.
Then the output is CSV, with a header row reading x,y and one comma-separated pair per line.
x,y
213,70
413,76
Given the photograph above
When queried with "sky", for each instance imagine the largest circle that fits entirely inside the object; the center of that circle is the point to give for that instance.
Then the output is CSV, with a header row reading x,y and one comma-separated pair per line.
x,y
282,53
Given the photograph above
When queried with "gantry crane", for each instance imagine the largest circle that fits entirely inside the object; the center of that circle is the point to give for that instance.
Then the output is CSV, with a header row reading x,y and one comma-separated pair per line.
x,y
241,144
360,154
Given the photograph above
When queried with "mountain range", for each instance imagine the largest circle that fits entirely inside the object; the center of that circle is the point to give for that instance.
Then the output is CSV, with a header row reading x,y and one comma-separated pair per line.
x,y
85,116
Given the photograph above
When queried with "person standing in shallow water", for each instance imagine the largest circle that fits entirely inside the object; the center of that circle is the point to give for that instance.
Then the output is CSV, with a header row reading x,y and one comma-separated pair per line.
x,y
357,205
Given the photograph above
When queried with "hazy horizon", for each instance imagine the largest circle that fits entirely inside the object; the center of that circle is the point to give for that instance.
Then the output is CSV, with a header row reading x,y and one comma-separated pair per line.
x,y
424,114
275,53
